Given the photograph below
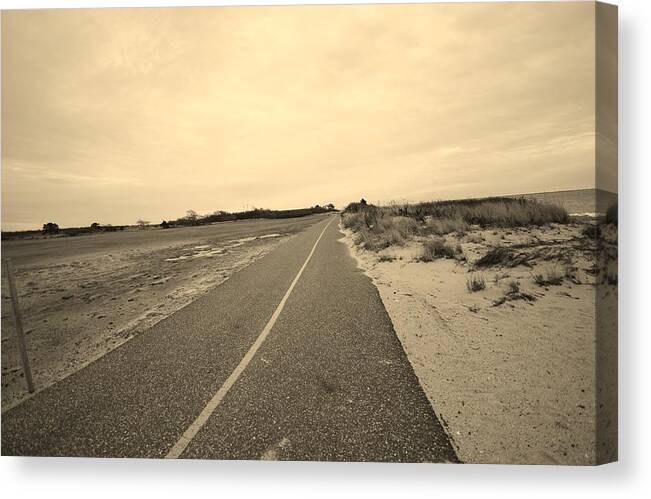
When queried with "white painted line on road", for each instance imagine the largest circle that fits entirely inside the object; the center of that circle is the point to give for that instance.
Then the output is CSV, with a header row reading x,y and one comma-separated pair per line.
x,y
201,420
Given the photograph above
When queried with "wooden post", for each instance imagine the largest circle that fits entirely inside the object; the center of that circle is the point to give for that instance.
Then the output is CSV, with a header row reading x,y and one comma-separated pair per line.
x,y
20,335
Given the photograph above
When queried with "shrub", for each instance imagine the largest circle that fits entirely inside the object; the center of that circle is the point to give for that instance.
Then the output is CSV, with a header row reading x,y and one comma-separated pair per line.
x,y
475,283
50,228
376,230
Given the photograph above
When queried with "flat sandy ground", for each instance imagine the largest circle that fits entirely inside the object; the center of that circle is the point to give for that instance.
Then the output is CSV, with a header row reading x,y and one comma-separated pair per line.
x,y
513,382
83,296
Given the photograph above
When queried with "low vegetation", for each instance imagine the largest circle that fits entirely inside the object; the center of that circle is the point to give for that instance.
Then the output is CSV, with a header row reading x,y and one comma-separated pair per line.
x,y
386,258
377,227
191,218
513,286
436,248
375,230
513,293
485,212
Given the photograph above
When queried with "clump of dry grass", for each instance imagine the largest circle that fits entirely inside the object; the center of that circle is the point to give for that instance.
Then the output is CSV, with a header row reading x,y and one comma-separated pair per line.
x,y
439,248
380,227
550,277
513,286
376,230
443,226
475,283
513,293
487,212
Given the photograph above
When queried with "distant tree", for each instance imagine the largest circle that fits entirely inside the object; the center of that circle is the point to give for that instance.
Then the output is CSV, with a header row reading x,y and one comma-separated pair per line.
x,y
165,225
191,216
50,228
363,201
95,226
142,223
330,206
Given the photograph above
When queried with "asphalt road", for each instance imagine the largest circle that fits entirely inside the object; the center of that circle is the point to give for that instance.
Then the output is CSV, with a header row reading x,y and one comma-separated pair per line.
x,y
41,251
330,382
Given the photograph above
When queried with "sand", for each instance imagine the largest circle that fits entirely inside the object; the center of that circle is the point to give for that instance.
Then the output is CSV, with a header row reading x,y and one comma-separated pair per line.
x,y
78,308
515,382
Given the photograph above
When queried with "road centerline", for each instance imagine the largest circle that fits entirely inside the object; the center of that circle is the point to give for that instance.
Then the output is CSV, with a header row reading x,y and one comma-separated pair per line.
x,y
185,439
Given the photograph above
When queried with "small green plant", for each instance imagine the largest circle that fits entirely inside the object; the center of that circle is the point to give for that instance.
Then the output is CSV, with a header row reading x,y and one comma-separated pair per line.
x,y
475,283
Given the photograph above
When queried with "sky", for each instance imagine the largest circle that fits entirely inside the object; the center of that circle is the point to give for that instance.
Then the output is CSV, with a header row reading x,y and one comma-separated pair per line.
x,y
112,115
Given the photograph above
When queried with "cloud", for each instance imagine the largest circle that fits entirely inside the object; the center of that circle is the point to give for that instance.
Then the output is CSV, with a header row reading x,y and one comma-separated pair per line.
x,y
159,110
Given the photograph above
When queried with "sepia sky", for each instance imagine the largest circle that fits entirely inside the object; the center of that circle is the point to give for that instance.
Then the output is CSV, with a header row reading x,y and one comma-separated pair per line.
x,y
111,115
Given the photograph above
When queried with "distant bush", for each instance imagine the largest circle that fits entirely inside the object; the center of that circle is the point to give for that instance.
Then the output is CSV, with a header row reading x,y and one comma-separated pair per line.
x,y
50,228
192,218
